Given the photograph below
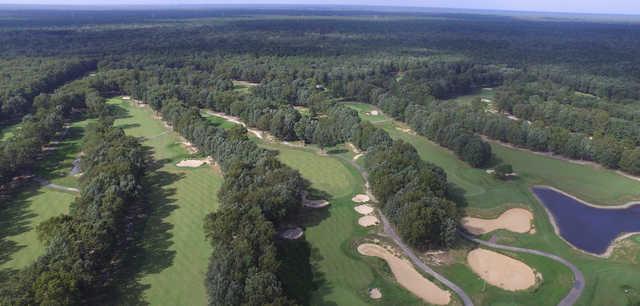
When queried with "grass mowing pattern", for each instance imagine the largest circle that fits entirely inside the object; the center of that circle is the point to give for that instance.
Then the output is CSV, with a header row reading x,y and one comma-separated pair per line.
x,y
607,280
174,257
342,276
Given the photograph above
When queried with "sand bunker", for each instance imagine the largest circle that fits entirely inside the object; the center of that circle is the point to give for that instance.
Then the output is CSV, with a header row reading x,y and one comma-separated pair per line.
x,y
364,209
357,156
500,270
315,203
517,220
360,198
193,163
292,233
375,293
407,275
367,221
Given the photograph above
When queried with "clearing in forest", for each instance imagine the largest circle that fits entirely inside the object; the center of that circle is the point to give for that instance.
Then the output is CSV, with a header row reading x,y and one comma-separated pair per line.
x,y
487,196
340,275
170,268
32,204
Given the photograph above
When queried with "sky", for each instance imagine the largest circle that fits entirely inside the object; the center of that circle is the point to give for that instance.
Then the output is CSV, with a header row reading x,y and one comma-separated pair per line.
x,y
573,6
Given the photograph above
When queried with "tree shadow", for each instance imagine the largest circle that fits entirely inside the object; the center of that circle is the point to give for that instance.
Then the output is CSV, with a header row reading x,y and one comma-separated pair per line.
x,y
56,165
457,194
151,252
15,219
337,151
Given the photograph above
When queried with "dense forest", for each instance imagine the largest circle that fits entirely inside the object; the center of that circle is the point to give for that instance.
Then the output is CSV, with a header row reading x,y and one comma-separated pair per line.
x,y
577,98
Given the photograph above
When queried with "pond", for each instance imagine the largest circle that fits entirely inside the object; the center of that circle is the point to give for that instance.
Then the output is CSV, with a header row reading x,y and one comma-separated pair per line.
x,y
588,228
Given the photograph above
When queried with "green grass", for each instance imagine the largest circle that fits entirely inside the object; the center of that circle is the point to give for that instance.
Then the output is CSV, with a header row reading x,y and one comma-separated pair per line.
x,y
32,204
19,216
217,121
343,276
174,255
6,132
605,278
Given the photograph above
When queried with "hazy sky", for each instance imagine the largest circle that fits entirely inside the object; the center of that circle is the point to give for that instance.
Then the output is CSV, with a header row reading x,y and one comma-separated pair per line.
x,y
580,6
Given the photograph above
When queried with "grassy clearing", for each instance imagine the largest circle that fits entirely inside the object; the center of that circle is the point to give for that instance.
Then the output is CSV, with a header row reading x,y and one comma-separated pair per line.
x,y
174,255
33,204
19,216
607,280
218,121
340,275
6,132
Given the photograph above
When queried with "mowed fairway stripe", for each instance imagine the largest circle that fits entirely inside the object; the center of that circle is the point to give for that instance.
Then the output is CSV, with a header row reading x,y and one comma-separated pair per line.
x,y
176,253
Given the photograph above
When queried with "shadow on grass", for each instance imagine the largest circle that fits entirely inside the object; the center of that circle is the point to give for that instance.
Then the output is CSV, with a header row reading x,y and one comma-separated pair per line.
x,y
457,194
56,164
15,219
151,253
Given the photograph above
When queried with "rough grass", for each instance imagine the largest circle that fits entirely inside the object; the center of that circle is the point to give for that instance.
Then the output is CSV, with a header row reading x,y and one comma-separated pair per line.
x,y
171,266
6,132
607,280
217,121
340,275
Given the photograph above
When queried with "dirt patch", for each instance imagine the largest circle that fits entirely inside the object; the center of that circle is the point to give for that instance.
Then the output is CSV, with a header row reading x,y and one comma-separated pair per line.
x,y
368,221
517,220
500,270
407,276
353,148
375,293
406,130
292,233
357,156
361,198
364,209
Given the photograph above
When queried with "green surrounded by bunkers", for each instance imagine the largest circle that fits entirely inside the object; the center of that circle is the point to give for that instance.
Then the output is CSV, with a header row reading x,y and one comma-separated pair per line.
x,y
34,203
341,276
609,281
171,264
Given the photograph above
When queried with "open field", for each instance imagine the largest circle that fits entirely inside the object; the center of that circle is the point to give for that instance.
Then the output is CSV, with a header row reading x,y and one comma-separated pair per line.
x,y
19,244
172,262
34,204
341,275
217,121
488,197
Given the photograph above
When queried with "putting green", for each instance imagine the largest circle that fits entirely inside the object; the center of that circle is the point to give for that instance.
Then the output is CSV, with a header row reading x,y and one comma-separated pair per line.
x,y
172,266
486,195
343,277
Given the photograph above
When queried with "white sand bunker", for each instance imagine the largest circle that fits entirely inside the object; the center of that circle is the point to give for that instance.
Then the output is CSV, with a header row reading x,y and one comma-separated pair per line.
x,y
375,293
364,209
500,270
292,233
360,198
407,275
315,203
367,221
517,220
192,163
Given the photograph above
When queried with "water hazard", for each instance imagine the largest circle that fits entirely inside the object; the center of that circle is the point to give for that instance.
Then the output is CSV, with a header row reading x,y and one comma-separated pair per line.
x,y
588,228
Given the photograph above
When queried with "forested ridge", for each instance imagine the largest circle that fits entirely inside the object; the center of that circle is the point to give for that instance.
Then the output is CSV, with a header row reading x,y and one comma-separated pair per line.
x,y
576,97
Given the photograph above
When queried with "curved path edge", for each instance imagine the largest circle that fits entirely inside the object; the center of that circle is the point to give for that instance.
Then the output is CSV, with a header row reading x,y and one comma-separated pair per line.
x,y
391,232
578,282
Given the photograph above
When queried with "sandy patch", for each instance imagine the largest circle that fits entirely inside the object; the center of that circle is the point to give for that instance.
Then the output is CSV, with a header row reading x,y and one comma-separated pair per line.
x,y
361,198
517,220
292,233
194,163
406,130
500,270
368,221
244,83
357,156
126,98
375,293
364,209
407,276
353,148
315,203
